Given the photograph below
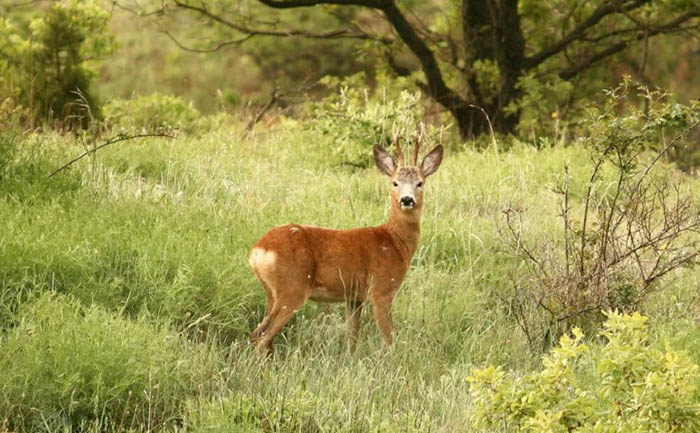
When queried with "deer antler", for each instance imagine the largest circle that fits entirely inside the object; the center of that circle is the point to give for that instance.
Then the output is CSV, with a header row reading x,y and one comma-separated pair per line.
x,y
419,140
399,151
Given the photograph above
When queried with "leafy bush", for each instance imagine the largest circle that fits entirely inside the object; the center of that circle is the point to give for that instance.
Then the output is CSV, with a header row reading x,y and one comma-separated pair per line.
x,y
47,60
152,112
11,114
638,388
545,106
354,120
70,366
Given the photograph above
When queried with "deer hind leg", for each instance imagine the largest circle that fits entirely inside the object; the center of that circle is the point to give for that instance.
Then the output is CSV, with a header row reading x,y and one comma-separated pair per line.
x,y
262,326
284,308
284,264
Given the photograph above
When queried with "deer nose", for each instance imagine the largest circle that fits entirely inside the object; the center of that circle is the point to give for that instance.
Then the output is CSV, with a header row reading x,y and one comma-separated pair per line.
x,y
407,201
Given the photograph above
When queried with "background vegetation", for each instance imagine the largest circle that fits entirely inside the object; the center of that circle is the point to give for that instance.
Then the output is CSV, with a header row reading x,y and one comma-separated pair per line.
x,y
554,288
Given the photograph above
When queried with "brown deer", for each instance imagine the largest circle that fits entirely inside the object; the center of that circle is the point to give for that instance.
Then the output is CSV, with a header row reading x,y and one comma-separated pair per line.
x,y
295,263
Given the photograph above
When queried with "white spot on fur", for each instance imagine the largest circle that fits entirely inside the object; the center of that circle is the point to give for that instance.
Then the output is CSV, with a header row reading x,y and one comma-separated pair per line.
x,y
294,229
308,276
384,248
259,257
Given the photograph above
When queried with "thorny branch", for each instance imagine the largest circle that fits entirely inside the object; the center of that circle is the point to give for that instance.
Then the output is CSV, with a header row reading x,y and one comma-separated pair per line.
x,y
630,237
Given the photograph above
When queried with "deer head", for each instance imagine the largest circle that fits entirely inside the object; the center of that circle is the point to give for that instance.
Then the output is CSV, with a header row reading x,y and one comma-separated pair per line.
x,y
407,181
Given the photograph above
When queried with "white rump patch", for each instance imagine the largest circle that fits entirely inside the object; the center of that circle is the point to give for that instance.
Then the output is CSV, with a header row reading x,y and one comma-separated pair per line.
x,y
259,257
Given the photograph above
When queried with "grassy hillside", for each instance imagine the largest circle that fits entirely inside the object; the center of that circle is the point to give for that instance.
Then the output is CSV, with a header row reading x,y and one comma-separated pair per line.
x,y
126,298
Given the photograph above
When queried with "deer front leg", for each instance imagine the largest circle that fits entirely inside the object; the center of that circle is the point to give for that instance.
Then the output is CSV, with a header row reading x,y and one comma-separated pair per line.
x,y
382,315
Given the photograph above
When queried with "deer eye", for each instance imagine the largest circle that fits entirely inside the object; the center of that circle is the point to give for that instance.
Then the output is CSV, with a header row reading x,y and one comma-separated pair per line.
x,y
419,184
395,184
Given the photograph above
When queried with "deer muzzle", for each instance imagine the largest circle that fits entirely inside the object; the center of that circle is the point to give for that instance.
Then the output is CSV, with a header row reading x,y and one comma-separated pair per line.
x,y
407,202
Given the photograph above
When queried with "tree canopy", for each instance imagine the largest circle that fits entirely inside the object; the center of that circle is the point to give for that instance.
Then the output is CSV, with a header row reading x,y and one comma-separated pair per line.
x,y
467,55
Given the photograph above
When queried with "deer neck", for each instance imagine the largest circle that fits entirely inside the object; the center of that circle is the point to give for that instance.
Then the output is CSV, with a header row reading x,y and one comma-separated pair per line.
x,y
404,228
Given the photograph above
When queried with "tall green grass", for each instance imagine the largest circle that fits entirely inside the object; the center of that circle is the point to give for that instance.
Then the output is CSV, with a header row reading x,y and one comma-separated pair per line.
x,y
66,366
129,270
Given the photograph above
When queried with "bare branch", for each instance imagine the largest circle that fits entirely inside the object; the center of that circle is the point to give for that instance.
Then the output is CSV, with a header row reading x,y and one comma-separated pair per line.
x,y
159,11
286,4
346,33
117,139
437,88
264,109
670,27
601,12
219,46
399,70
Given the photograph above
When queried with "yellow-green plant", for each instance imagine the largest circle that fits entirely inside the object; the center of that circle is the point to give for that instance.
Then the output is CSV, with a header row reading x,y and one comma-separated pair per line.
x,y
632,386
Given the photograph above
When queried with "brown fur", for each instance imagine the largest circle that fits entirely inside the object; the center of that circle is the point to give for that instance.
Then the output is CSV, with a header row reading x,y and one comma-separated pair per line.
x,y
295,263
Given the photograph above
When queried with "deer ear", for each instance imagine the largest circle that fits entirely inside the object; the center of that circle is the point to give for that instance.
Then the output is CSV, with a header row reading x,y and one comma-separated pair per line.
x,y
385,163
432,161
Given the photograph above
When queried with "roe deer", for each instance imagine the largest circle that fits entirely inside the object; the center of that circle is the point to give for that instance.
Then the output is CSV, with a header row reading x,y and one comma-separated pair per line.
x,y
295,263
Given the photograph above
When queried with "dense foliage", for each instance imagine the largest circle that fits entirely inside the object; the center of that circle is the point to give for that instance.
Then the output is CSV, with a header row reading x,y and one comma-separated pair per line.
x,y
46,61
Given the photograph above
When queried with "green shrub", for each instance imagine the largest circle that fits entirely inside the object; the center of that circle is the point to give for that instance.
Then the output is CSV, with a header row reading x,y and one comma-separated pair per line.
x,y
65,365
637,387
152,113
11,114
49,60
354,120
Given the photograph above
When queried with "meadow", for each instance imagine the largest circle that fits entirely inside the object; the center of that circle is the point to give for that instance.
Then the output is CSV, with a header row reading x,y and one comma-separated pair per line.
x,y
126,299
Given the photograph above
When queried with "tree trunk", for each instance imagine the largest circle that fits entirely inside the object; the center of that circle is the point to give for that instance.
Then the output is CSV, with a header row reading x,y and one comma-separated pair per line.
x,y
436,87
491,32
